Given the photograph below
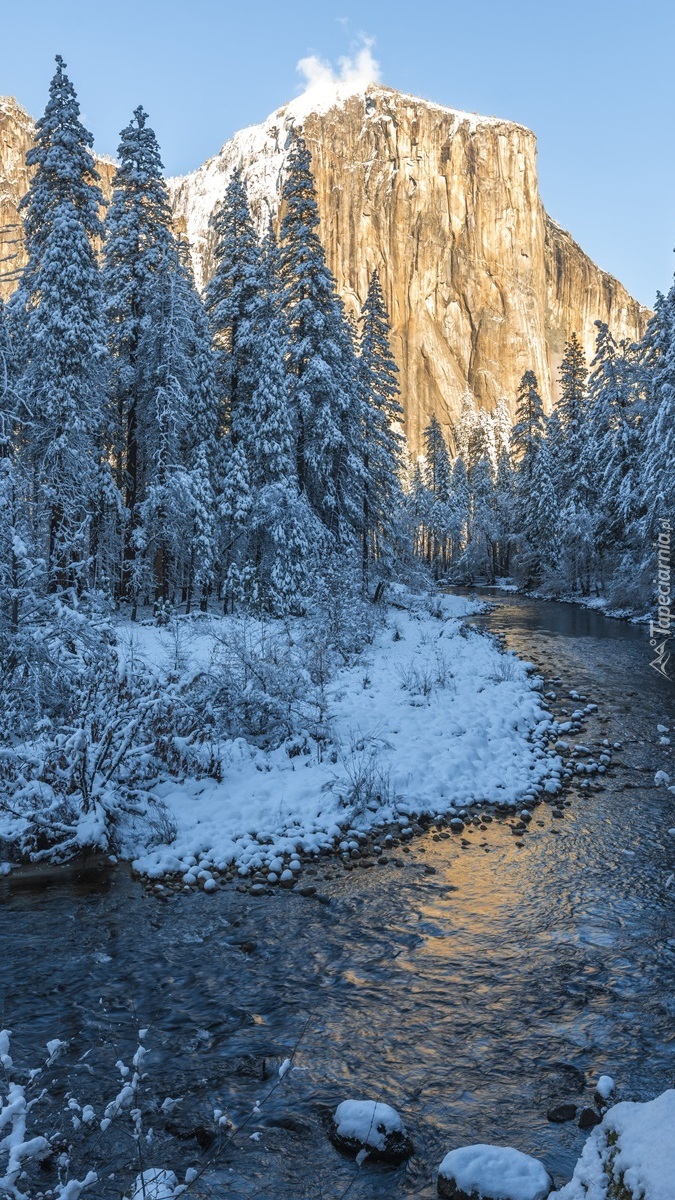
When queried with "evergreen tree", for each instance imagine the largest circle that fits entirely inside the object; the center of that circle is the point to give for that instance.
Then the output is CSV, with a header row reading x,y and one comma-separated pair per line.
x,y
463,429
9,394
504,511
437,464
438,480
173,430
382,441
460,500
233,299
529,426
538,543
63,350
612,441
234,510
65,174
482,441
572,410
502,425
138,243
325,387
659,444
478,558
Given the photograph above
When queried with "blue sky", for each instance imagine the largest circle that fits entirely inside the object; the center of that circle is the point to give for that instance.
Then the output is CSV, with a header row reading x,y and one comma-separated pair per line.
x,y
593,79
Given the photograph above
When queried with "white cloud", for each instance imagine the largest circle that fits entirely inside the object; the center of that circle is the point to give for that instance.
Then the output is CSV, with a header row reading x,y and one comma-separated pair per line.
x,y
324,84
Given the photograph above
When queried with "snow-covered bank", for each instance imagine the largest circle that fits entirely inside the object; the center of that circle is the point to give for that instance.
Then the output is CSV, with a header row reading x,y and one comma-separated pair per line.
x,y
432,717
630,1156
244,743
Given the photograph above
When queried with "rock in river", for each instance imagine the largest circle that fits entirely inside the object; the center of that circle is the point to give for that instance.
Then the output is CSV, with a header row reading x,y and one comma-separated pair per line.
x,y
366,1125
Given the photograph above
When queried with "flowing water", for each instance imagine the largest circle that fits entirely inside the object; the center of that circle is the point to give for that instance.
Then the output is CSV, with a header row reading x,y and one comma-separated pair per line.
x,y
471,999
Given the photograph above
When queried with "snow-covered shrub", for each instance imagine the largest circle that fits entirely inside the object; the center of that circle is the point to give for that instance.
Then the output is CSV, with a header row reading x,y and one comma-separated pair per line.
x,y
362,780
261,685
81,749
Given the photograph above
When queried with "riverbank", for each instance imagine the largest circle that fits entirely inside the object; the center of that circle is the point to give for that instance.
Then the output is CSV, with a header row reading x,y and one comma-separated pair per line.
x,y
429,719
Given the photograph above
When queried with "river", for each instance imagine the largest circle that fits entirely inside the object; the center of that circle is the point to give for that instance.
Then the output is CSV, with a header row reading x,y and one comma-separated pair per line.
x,y
471,998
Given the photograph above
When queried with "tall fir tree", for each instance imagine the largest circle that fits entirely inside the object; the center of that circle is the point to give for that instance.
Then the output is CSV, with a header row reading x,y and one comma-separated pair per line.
x,y
325,383
138,241
233,299
382,439
572,409
529,426
63,349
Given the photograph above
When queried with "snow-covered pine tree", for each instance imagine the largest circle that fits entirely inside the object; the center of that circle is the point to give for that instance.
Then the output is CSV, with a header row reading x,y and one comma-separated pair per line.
x,y
19,570
613,443
326,392
284,531
529,427
235,504
537,554
504,510
382,439
478,560
502,425
463,429
437,461
438,481
572,409
9,396
65,173
658,463
63,347
460,505
174,431
233,299
138,240
482,441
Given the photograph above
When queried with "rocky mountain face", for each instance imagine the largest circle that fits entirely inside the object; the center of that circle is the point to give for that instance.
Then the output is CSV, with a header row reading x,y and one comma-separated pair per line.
x,y
16,138
481,284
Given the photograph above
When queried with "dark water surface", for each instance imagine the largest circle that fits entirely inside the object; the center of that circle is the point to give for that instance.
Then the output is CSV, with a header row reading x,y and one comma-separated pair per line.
x,y
471,999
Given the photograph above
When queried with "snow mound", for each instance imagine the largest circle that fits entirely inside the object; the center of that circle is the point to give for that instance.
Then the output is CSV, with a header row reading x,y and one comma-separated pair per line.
x,y
631,1154
367,1122
367,1127
493,1173
155,1184
604,1087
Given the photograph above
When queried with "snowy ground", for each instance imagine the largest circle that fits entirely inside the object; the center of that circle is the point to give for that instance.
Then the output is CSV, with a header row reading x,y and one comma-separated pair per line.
x,y
431,718
631,1156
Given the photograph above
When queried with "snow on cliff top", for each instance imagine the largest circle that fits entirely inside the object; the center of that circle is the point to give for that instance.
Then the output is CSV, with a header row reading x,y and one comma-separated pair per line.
x,y
261,151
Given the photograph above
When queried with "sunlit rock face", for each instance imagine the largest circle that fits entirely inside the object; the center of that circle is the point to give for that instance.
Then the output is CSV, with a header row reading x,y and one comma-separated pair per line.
x,y
16,138
481,284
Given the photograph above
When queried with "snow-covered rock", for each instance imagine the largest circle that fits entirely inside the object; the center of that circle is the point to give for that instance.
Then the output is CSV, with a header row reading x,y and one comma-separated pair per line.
x,y
604,1087
155,1184
492,1173
630,1156
367,1125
